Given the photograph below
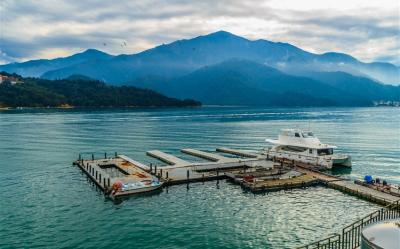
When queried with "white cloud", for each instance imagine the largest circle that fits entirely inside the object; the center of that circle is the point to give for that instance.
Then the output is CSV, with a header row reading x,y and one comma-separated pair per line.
x,y
368,30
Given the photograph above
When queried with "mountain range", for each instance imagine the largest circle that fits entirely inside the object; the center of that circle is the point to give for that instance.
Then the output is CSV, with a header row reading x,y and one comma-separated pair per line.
x,y
226,69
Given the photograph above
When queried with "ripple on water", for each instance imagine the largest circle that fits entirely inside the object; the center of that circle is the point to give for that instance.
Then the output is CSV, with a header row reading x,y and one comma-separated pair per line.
x,y
46,202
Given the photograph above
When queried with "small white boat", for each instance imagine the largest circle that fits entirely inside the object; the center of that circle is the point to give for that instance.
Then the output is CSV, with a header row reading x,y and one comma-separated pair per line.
x,y
302,146
129,188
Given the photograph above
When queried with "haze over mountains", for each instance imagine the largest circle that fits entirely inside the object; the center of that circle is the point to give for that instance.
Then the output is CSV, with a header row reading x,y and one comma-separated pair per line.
x,y
222,68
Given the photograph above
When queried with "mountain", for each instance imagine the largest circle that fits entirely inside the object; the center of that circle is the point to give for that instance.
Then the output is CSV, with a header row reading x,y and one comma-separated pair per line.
x,y
244,82
357,85
184,56
81,92
222,68
35,68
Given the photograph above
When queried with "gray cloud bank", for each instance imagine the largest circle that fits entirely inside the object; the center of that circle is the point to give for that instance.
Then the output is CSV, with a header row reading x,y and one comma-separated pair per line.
x,y
46,29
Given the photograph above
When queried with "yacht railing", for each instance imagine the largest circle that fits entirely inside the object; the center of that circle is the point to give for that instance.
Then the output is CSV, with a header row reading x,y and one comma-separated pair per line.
x,y
350,238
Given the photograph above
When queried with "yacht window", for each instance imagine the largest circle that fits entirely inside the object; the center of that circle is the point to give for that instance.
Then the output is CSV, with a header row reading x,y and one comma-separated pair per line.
x,y
323,152
308,134
297,134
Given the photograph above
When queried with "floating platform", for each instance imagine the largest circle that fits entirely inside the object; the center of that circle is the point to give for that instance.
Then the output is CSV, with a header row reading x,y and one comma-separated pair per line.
x,y
167,158
253,171
349,187
118,177
240,153
208,156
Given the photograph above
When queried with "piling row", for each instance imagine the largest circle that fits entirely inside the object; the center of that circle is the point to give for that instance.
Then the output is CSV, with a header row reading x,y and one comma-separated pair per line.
x,y
93,171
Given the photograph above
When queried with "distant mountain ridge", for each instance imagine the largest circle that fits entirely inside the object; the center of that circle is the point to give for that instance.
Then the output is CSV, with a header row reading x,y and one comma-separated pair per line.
x,y
183,56
223,68
244,82
36,68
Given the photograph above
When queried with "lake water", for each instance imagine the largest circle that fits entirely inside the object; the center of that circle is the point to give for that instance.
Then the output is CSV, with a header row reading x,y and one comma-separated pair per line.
x,y
47,202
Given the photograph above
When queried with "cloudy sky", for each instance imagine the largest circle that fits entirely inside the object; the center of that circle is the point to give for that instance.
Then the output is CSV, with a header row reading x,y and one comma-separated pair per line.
x,y
368,30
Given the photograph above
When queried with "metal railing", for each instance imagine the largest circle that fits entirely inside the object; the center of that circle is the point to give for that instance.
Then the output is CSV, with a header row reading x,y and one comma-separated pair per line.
x,y
350,238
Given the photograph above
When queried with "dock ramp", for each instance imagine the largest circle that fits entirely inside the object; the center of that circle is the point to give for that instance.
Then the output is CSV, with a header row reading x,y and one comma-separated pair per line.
x,y
209,156
167,158
237,152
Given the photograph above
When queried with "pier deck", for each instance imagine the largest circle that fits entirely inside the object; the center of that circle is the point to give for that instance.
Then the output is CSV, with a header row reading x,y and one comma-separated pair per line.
x,y
167,158
236,152
350,187
267,175
209,156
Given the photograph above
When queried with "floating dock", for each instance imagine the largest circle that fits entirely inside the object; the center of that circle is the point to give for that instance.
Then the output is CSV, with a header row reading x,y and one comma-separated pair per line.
x,y
118,177
168,158
208,156
240,153
253,171
349,187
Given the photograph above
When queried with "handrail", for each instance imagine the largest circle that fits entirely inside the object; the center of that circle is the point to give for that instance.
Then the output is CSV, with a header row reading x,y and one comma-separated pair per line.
x,y
350,238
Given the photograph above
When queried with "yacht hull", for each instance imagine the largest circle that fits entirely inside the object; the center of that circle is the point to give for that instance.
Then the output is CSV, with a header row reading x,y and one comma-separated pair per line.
x,y
327,162
344,161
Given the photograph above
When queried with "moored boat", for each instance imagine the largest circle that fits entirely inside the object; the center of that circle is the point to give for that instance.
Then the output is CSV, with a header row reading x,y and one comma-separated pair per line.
x,y
302,146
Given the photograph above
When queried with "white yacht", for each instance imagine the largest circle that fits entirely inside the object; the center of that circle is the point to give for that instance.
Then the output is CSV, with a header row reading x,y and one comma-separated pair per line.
x,y
303,146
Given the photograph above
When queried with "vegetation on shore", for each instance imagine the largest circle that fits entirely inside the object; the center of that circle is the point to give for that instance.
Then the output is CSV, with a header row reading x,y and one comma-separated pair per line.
x,y
81,92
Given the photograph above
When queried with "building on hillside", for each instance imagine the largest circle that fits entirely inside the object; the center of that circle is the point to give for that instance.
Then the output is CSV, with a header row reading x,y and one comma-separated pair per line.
x,y
11,79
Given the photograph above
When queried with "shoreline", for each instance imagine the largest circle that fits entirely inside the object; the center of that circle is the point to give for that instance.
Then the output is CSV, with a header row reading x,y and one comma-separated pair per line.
x,y
89,107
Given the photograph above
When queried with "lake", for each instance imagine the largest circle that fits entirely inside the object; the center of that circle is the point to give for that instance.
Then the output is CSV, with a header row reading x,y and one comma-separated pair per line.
x,y
47,202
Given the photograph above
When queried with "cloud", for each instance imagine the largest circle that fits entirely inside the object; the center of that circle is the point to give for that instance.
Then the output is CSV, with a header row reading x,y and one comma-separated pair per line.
x,y
368,30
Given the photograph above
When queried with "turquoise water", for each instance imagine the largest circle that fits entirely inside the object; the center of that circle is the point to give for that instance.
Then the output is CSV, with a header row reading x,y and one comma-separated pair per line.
x,y
47,202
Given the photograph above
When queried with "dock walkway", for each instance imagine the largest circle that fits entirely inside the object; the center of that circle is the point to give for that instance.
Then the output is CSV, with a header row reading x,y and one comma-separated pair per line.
x,y
178,171
237,152
209,156
350,187
167,158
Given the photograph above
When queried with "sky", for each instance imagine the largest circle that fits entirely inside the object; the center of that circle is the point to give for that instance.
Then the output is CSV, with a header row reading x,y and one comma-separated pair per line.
x,y
366,29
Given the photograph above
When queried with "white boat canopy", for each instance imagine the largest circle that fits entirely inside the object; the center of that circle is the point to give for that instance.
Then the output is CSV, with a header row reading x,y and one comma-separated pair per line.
x,y
299,138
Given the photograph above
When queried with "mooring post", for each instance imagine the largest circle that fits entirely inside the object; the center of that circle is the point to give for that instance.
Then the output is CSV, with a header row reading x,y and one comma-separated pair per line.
x,y
81,161
100,178
92,157
105,155
155,169
187,174
108,182
96,174
160,173
151,168
115,154
167,174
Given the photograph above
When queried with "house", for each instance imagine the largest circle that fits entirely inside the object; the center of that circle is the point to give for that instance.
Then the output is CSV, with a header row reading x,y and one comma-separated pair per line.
x,y
11,79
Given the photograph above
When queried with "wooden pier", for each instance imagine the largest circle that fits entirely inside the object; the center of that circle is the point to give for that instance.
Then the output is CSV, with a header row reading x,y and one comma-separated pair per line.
x,y
208,156
265,175
167,158
240,153
349,187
